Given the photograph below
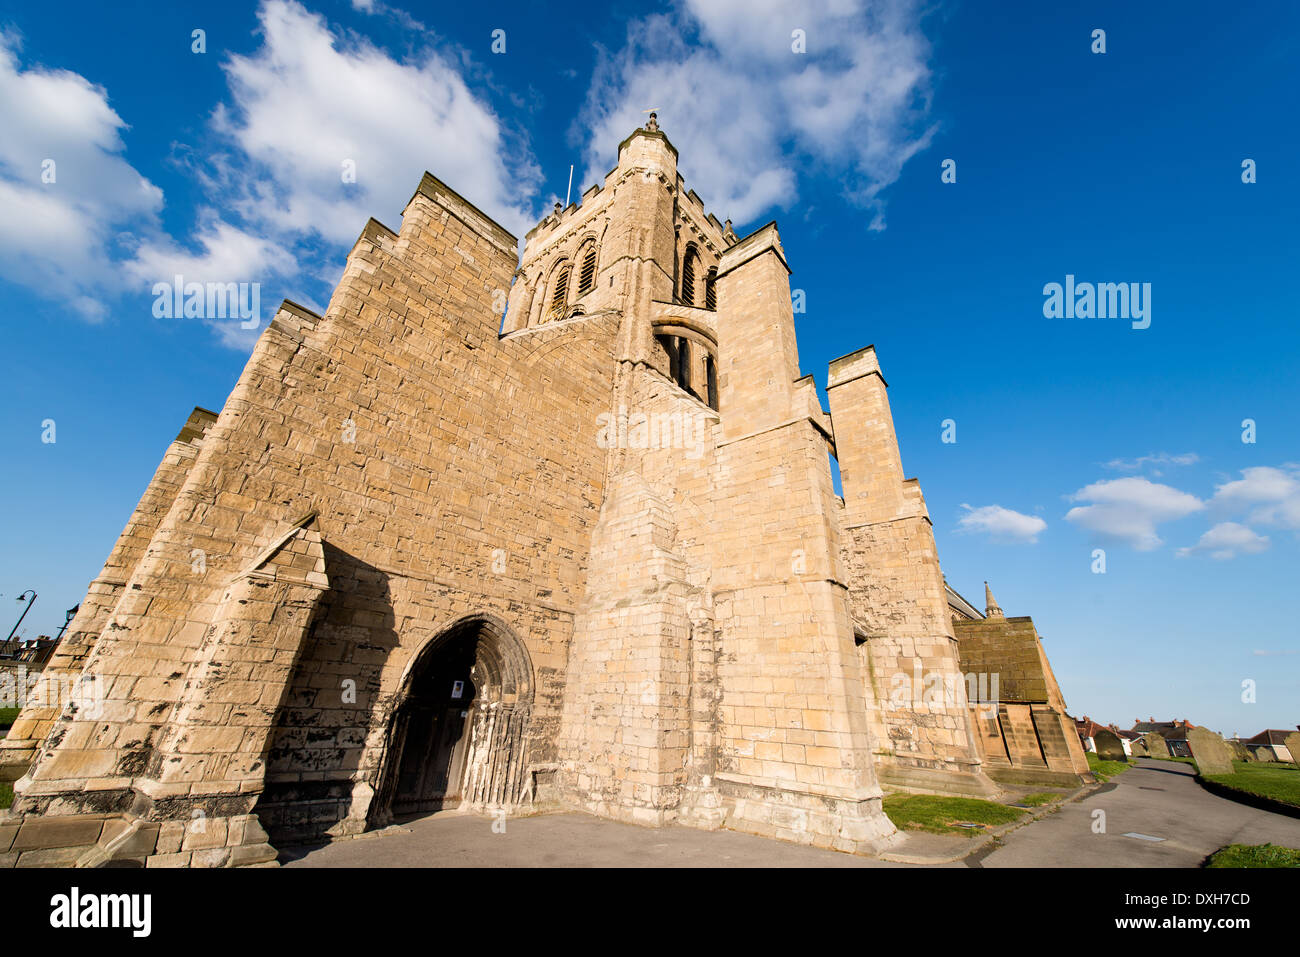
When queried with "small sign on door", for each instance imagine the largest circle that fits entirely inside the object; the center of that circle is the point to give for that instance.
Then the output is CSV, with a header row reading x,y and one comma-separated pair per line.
x,y
457,690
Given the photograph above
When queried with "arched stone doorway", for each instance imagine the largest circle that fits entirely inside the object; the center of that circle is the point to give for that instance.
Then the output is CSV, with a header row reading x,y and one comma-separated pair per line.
x,y
456,736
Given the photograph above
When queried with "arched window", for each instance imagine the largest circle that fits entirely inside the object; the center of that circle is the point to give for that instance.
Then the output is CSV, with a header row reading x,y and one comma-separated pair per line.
x,y
711,290
587,269
559,294
711,381
683,376
690,266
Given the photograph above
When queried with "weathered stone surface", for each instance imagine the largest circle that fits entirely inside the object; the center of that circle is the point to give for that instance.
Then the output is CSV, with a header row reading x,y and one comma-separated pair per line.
x,y
203,834
168,860
211,857
1292,745
171,834
1155,745
1108,745
57,832
50,857
1016,695
1211,754
251,854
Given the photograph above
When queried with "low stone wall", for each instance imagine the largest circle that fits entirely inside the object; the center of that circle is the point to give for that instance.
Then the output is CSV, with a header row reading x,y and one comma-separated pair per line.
x,y
120,840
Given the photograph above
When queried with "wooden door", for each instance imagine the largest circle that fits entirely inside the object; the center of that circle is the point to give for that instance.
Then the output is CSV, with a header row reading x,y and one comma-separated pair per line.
x,y
436,739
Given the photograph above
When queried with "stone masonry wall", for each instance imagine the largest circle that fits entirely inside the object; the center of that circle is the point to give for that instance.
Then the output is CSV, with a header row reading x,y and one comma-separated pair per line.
x,y
1030,730
924,730
65,666
448,474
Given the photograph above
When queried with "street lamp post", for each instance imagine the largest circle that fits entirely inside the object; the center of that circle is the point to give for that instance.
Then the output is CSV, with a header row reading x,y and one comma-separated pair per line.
x,y
68,615
8,653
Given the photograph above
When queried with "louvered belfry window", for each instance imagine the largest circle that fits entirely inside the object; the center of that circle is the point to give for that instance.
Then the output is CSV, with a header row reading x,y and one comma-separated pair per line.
x,y
587,276
683,375
560,295
711,290
689,264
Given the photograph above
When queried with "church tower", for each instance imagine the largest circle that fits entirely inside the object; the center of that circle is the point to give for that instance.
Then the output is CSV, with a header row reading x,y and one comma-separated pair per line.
x,y
516,533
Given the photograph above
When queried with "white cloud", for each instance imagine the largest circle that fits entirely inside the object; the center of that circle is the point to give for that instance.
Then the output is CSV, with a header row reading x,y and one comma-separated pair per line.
x,y
1129,509
59,238
1001,524
307,102
229,255
1227,540
1271,494
741,107
1156,461
301,104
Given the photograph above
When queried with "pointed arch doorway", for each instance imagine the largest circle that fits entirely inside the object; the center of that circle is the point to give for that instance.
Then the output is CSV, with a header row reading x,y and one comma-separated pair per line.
x,y
457,734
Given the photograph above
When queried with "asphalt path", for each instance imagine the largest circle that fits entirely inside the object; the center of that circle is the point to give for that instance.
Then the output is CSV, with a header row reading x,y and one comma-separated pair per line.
x,y
1152,815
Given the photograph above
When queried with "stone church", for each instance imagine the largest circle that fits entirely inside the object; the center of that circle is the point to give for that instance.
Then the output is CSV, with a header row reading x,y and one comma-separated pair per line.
x,y
514,534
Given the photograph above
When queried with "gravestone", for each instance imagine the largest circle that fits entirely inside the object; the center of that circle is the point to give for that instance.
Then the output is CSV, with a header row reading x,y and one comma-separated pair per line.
x,y
1263,754
1156,745
1293,745
1239,751
1210,752
1108,745
1139,748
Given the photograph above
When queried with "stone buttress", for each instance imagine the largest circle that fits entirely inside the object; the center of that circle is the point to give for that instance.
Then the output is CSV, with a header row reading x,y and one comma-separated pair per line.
x,y
923,728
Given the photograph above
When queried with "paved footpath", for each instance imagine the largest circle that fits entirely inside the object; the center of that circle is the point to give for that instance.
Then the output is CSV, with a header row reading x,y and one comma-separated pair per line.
x,y
1155,799
451,839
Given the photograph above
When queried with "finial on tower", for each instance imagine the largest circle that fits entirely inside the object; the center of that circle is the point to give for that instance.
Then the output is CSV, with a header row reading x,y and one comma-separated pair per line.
x,y
652,124
991,609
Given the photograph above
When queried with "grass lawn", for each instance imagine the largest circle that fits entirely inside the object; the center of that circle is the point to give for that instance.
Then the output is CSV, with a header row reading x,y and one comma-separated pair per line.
x,y
1105,770
7,716
938,814
1039,799
1281,782
1254,855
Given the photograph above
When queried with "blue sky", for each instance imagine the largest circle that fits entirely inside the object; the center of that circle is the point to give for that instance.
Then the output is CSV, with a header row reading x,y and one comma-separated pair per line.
x,y
1072,434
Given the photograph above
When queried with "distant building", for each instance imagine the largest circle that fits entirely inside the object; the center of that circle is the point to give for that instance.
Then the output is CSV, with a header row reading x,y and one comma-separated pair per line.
x,y
1174,733
1271,741
1087,729
34,652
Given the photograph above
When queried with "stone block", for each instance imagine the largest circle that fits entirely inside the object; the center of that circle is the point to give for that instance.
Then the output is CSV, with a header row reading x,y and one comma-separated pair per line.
x,y
1108,745
50,857
1210,752
168,860
52,832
